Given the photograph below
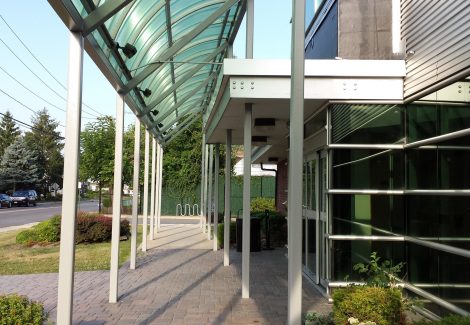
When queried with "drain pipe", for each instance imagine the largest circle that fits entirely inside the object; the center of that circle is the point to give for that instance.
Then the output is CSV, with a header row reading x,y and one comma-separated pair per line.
x,y
275,183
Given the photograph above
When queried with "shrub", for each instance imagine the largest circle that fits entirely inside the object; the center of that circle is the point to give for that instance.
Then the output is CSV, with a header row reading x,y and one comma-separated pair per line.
x,y
16,309
95,228
449,320
384,306
261,204
47,231
220,234
278,227
91,228
380,275
312,318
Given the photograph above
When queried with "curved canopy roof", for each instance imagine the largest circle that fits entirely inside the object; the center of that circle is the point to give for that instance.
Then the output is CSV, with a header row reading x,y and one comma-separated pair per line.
x,y
180,45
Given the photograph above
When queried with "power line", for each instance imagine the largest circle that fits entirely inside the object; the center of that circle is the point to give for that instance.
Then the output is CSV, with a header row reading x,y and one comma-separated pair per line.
x,y
38,96
33,128
27,67
37,60
22,104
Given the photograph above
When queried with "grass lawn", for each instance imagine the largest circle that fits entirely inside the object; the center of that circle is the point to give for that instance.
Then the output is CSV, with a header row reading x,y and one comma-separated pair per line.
x,y
18,259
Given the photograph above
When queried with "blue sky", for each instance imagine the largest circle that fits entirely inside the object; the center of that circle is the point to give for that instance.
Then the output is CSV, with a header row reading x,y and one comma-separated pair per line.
x,y
38,26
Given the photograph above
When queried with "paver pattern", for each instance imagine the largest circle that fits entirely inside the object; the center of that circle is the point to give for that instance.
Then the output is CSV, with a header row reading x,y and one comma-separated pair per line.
x,y
177,286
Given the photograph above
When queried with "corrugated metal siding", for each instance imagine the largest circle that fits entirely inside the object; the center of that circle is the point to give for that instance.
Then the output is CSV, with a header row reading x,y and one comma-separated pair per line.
x,y
438,31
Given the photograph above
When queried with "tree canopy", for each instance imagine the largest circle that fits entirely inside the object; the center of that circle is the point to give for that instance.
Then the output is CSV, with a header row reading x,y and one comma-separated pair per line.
x,y
97,150
19,166
9,132
47,143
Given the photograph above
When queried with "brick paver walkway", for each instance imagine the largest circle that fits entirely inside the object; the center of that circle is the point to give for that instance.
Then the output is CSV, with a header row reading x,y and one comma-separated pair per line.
x,y
176,286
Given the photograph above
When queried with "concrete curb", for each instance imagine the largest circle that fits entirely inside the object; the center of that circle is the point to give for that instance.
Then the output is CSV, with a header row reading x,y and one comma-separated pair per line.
x,y
28,225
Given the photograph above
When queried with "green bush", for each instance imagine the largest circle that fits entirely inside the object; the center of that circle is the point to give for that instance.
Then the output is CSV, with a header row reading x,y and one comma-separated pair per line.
x,y
384,306
220,233
260,204
47,231
278,227
91,228
449,320
106,201
16,309
312,318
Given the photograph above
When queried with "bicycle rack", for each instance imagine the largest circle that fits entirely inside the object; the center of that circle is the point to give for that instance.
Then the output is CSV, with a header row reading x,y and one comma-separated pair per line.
x,y
180,209
195,208
189,210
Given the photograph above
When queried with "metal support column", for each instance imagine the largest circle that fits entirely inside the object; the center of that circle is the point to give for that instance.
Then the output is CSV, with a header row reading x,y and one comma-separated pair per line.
x,y
157,189
250,20
227,205
206,162
70,185
117,193
246,202
146,191
135,194
152,186
296,138
160,189
216,196
201,207
210,196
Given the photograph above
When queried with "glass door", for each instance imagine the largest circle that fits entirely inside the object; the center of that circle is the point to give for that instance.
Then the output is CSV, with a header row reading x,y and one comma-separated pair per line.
x,y
322,224
309,217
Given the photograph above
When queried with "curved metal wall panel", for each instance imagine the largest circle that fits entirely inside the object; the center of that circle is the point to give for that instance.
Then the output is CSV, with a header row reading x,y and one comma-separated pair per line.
x,y
437,36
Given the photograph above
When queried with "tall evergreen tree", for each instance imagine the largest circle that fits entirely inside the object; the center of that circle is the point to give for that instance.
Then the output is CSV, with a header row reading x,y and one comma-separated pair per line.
x,y
45,140
19,167
9,131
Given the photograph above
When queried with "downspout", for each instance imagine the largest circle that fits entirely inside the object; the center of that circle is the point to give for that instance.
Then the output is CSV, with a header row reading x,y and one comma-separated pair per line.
x,y
275,183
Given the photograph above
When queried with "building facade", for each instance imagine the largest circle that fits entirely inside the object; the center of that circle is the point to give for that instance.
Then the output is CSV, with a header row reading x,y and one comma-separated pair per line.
x,y
392,177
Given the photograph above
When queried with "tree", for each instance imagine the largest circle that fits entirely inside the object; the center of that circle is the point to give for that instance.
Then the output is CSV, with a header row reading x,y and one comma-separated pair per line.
x,y
97,151
182,162
9,132
47,142
19,166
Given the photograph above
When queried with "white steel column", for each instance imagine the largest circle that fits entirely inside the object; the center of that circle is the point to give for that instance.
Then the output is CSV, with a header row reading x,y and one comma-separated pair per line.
x,y
227,205
250,20
209,201
146,191
160,189
246,202
117,192
157,189
206,160
201,207
71,163
294,197
152,186
216,196
135,194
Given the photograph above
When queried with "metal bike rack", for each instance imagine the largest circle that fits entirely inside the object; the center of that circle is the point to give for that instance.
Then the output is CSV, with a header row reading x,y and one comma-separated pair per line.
x,y
180,209
188,213
195,208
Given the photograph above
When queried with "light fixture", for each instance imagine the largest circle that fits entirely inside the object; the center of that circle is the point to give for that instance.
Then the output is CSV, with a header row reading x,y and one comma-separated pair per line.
x,y
154,112
160,125
128,50
146,92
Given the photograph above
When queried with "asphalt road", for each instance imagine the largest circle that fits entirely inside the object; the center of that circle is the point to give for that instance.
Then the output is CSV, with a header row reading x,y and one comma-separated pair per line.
x,y
17,216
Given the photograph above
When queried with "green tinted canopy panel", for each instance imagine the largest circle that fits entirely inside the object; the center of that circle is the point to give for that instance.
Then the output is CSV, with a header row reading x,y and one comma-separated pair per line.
x,y
164,56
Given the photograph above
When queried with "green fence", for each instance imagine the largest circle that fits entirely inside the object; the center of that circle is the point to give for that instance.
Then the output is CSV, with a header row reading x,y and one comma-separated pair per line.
x,y
261,186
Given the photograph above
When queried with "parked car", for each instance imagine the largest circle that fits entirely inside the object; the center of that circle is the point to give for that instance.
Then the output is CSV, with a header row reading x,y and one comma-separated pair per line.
x,y
24,197
5,201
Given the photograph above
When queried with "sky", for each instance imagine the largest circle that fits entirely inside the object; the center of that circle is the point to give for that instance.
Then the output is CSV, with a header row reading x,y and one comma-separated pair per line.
x,y
26,86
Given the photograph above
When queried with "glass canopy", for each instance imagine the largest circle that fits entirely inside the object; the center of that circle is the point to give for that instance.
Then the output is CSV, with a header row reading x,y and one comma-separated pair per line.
x,y
180,45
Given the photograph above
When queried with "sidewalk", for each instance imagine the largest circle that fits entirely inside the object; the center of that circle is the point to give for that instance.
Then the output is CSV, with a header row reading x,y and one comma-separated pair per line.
x,y
177,283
